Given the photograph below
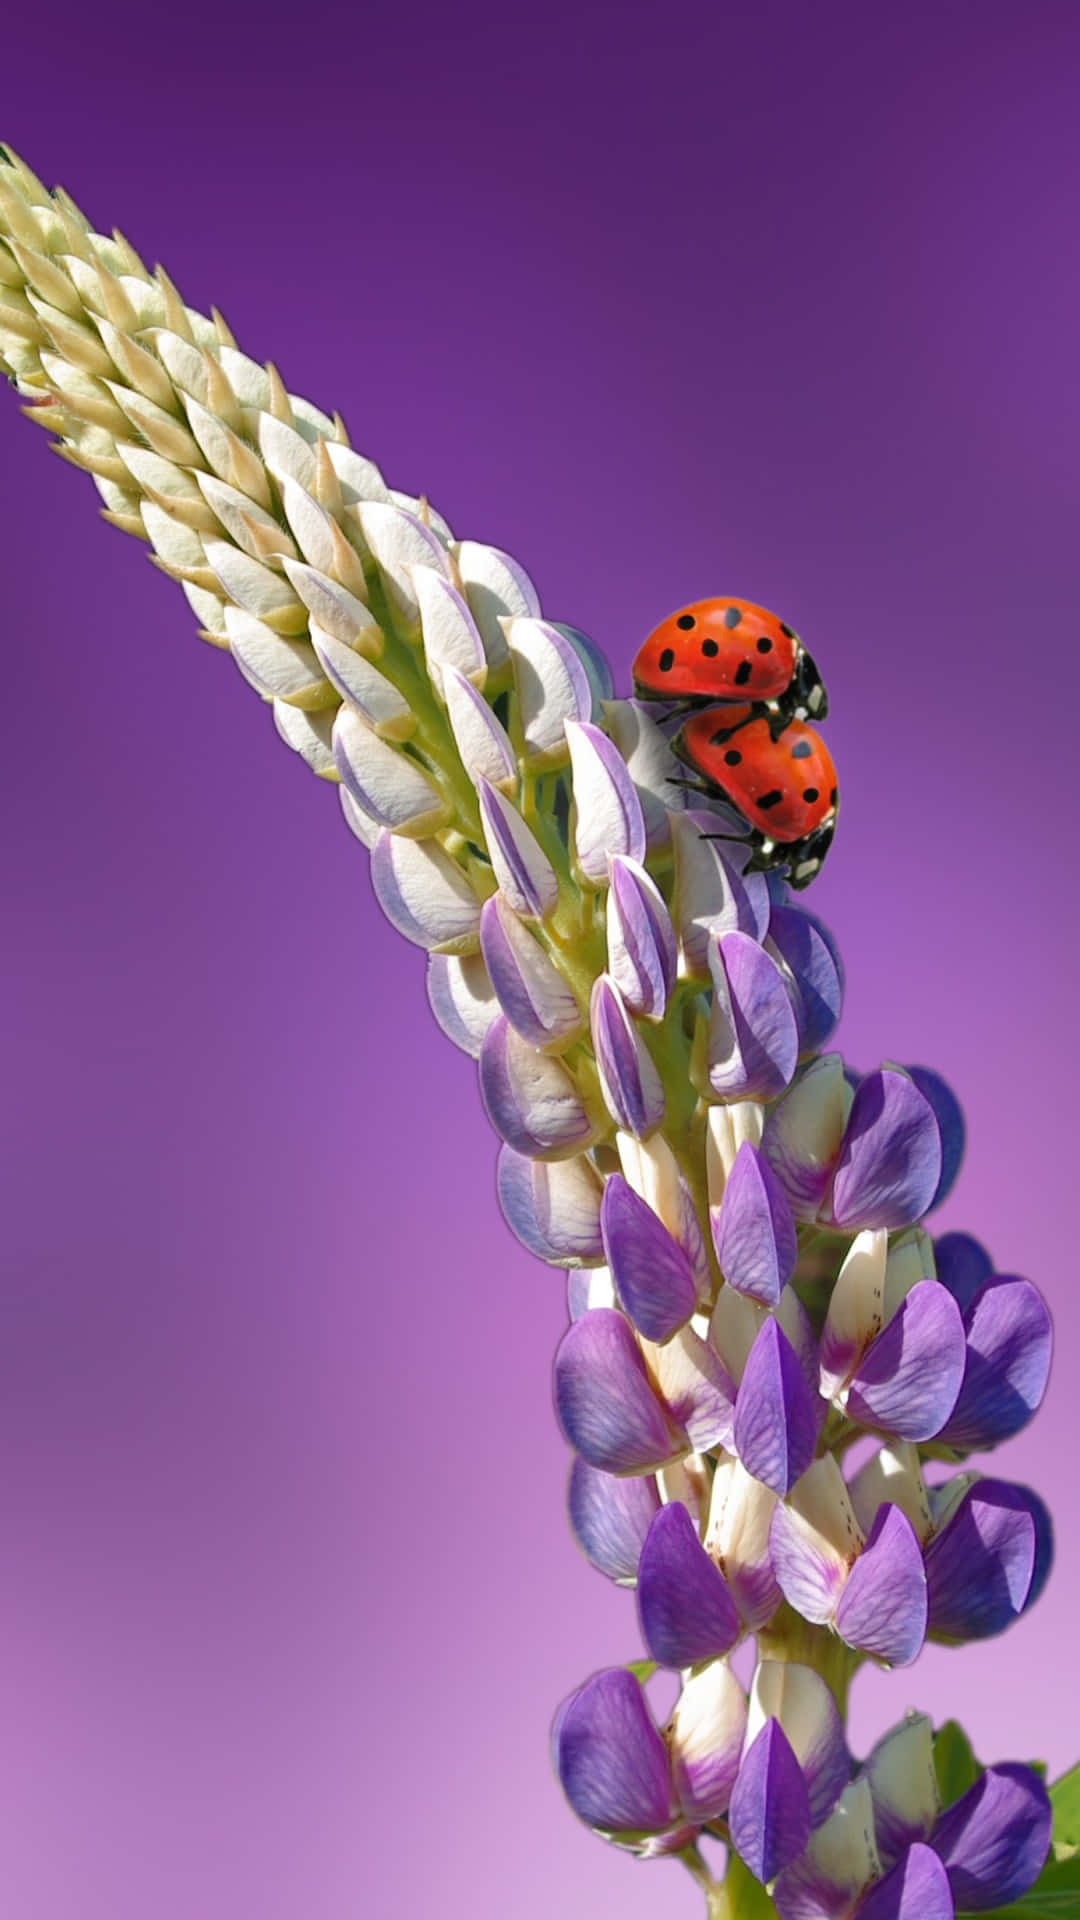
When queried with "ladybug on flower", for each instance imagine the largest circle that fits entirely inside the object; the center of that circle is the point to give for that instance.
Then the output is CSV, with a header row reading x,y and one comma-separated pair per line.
x,y
749,687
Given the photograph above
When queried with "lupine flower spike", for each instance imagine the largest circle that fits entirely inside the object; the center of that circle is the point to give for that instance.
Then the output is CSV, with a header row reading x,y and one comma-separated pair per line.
x,y
752,1284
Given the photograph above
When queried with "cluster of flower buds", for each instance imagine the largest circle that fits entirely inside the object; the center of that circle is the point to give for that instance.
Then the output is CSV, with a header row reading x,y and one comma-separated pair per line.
x,y
751,1290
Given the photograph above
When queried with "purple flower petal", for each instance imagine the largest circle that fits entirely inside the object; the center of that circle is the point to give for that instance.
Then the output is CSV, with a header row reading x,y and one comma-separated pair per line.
x,y
979,1568
753,1043
753,1229
651,765
949,1115
461,998
800,1701
632,1089
890,1159
653,1277
995,1840
710,896
525,875
696,1387
882,1610
685,1609
594,662
769,1815
962,1266
814,1541
804,1131
424,894
610,1515
529,1098
776,1423
531,991
1044,1544
607,816
553,1207
917,1888
816,976
603,1400
1009,1341
907,1382
740,1510
611,1761
839,1862
705,1739
641,941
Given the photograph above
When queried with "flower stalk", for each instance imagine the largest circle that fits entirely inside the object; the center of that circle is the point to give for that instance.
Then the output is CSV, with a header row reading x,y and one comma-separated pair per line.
x,y
752,1287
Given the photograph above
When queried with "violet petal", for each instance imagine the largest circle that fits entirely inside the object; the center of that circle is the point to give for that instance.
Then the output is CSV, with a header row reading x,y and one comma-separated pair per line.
x,y
803,1134
907,1381
841,1859
607,816
552,687
814,1541
552,1206
696,1388
995,1839
979,1568
640,939
799,1699
610,1515
776,1424
917,1888
769,1815
611,1761
651,765
632,1089
1009,1341
705,1738
685,1610
525,874
962,1265
900,1769
710,895
603,1400
816,974
949,1115
753,1229
890,1158
529,1097
531,991
652,1274
882,1610
753,1041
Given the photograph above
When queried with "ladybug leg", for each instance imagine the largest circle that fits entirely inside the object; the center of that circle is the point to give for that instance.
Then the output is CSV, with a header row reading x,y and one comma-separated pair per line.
x,y
694,786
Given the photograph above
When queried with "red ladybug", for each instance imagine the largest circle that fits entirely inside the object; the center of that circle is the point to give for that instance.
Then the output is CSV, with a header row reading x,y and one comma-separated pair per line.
x,y
729,650
784,786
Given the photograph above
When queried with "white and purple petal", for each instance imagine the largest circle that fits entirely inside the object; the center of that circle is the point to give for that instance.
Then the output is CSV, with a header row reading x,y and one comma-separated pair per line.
x,y
803,1133
552,1207
839,1862
776,1413
610,1758
610,1515
753,1042
900,1769
652,766
450,634
737,1538
769,1815
530,1099
652,1274
684,1607
883,1608
855,1310
799,1699
753,1230
479,735
604,1401
531,991
460,996
711,897
552,688
496,587
425,896
642,959
389,785
705,1739
890,1158
607,817
814,1540
696,1388
524,873
631,1086
907,1382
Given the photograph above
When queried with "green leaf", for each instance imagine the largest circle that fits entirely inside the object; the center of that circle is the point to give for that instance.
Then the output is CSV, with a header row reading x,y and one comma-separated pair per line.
x,y
1055,1896
642,1670
1065,1800
954,1762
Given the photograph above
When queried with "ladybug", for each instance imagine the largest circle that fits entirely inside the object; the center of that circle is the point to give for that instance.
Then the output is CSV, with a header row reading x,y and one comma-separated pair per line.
x,y
784,785
730,650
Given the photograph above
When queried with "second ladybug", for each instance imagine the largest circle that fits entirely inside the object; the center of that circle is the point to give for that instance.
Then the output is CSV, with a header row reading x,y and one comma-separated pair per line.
x,y
784,785
726,649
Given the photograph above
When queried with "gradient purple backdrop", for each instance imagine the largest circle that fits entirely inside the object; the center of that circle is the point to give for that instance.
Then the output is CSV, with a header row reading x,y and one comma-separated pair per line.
x,y
780,301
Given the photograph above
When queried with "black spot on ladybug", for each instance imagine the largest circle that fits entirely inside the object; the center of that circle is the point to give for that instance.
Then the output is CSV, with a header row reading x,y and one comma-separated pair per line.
x,y
732,757
732,617
810,793
667,660
685,621
710,649
833,797
772,799
790,631
742,673
801,750
764,645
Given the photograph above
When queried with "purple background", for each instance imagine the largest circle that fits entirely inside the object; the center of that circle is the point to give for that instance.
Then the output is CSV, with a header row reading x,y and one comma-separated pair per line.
x,y
777,301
